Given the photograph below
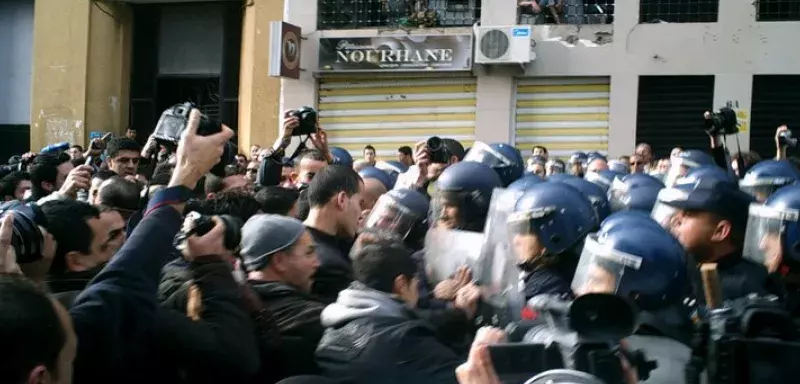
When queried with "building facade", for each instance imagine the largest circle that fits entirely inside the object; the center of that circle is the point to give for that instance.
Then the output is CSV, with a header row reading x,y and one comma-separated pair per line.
x,y
611,74
16,59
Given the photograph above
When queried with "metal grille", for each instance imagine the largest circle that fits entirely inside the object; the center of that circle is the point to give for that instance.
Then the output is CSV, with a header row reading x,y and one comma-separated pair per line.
x,y
670,112
778,10
775,100
566,12
678,11
354,14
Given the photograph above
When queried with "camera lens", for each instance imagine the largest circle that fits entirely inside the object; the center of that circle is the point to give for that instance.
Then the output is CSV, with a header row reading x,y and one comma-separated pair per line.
x,y
434,143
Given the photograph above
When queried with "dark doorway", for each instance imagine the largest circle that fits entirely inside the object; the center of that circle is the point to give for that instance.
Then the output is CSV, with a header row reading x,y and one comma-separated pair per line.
x,y
196,61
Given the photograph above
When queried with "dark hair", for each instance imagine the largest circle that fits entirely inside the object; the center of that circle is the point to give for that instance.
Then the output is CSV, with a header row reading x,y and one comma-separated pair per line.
x,y
378,264
45,170
67,222
237,202
330,181
454,147
121,144
120,194
313,154
543,148
30,328
77,146
277,200
303,205
10,182
369,147
104,174
162,174
406,150
213,184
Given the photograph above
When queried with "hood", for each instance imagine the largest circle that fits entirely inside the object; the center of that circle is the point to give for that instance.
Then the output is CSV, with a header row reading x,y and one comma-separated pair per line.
x,y
359,301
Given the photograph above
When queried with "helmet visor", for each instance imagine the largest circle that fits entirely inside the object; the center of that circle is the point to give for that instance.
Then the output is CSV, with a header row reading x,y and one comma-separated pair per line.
x,y
678,168
763,240
663,214
391,216
602,268
618,195
759,190
484,154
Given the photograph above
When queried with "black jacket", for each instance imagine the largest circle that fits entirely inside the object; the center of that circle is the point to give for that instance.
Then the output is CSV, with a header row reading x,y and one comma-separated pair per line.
x,y
296,314
67,287
371,338
739,277
335,271
546,281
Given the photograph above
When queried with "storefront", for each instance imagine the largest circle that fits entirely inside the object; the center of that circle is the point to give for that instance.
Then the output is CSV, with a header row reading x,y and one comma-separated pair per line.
x,y
562,114
16,53
389,92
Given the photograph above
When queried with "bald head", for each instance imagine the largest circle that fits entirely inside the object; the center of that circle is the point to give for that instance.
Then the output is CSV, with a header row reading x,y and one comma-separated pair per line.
x,y
373,189
597,165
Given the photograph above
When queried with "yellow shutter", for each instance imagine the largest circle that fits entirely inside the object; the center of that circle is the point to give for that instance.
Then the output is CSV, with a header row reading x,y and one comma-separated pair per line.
x,y
388,113
564,115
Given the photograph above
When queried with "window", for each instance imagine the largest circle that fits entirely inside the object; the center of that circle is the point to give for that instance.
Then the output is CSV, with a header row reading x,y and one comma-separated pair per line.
x,y
778,10
678,11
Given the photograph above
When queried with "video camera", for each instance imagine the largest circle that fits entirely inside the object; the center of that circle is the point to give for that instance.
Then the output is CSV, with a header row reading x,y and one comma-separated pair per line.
x,y
752,340
173,122
581,335
785,139
722,122
26,237
203,224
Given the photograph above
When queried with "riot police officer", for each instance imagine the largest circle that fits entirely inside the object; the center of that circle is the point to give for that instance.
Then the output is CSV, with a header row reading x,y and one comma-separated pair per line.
x,y
637,191
537,165
503,158
686,161
547,228
577,164
525,182
462,195
592,192
554,166
403,213
767,176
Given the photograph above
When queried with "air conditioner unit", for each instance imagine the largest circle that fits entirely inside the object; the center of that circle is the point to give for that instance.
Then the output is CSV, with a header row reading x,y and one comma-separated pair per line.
x,y
510,44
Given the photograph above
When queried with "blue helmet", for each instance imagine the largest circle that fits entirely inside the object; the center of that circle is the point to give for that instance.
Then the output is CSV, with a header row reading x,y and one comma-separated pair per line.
x,y
341,156
618,166
525,182
393,168
537,165
377,174
767,176
555,166
624,218
709,173
773,230
685,162
593,193
558,214
402,212
635,191
467,185
503,158
560,177
643,263
593,155
604,178
578,158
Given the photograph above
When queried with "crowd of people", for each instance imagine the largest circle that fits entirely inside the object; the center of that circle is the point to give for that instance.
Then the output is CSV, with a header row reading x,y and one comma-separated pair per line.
x,y
130,263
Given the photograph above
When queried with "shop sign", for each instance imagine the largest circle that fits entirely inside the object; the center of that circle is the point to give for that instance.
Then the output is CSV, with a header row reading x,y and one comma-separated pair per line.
x,y
396,53
284,56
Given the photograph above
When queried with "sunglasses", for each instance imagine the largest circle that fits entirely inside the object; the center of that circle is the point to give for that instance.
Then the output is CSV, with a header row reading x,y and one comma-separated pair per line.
x,y
635,163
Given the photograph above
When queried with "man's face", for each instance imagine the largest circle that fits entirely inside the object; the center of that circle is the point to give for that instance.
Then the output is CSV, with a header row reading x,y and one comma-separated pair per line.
x,y
598,280
301,262
254,150
241,161
644,151
539,151
108,232
131,134
251,172
597,165
63,170
22,187
286,177
695,231
124,163
350,212
235,181
539,170
405,159
75,153
448,216
369,156
307,169
94,191
663,166
527,247
637,164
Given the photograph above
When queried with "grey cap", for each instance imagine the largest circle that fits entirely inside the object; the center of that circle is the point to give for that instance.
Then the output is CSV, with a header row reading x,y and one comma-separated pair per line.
x,y
263,235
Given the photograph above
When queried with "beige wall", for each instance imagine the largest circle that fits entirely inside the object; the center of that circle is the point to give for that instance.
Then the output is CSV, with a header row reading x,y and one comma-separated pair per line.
x,y
81,70
733,49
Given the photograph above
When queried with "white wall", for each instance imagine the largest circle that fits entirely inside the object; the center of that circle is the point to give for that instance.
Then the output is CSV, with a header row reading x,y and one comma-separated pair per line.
x,y
733,49
16,49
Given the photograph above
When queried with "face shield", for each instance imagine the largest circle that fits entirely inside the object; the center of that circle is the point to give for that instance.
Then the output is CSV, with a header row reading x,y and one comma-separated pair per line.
x,y
601,269
679,167
448,250
523,233
445,210
766,229
762,188
618,195
483,153
662,212
391,216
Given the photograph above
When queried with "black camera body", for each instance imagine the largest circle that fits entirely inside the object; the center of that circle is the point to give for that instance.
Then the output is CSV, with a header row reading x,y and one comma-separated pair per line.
x,y
785,139
308,121
203,224
581,335
722,122
26,238
173,122
437,150
752,340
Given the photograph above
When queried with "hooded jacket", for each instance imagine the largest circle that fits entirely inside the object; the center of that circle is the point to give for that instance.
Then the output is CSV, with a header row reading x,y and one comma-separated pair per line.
x,y
372,337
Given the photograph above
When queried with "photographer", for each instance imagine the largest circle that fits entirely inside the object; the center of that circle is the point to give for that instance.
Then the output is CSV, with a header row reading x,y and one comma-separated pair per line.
x,y
431,157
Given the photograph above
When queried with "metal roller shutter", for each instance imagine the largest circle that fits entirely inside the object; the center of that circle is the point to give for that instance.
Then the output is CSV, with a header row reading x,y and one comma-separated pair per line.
x,y
670,112
562,114
775,102
388,113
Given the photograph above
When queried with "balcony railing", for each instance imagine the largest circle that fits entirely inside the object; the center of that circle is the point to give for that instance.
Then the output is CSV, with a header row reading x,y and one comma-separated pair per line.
x,y
406,14
576,12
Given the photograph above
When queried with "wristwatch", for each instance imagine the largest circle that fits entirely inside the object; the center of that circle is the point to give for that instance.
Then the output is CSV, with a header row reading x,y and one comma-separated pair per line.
x,y
172,195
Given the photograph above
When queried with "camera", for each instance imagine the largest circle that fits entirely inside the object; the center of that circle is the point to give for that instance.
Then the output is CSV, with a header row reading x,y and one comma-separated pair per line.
x,y
26,238
751,340
785,139
437,150
173,122
722,122
580,335
203,224
308,121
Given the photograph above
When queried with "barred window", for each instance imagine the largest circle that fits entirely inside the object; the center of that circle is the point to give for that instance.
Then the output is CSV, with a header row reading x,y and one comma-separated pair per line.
x,y
355,14
566,11
678,11
778,10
